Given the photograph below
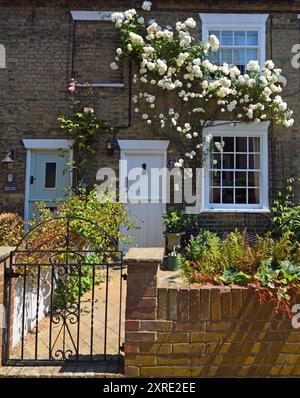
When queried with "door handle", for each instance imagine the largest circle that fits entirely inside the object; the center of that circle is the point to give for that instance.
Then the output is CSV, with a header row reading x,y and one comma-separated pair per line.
x,y
32,179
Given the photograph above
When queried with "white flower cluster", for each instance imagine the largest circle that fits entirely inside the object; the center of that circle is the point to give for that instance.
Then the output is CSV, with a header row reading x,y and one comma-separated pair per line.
x,y
196,81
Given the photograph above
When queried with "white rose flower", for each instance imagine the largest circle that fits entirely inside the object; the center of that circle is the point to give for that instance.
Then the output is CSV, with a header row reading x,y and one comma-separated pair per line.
x,y
269,64
114,66
141,20
214,43
146,6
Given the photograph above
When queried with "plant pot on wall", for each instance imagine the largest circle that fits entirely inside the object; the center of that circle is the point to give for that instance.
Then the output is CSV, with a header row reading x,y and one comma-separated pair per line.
x,y
174,240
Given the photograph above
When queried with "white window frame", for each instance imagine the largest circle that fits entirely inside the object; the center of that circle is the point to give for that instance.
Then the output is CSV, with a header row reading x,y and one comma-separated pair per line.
x,y
240,129
238,22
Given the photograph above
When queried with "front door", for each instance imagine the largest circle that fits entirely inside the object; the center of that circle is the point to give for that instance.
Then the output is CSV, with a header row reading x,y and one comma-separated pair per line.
x,y
49,178
147,212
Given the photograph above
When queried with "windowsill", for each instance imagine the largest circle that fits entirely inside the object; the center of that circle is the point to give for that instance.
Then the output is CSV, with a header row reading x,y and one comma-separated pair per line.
x,y
266,210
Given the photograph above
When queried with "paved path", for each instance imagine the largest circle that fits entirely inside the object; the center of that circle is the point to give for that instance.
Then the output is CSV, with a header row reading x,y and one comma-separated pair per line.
x,y
86,347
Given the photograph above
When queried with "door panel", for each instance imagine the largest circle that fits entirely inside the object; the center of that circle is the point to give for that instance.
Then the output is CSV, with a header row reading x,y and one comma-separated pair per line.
x,y
147,217
49,178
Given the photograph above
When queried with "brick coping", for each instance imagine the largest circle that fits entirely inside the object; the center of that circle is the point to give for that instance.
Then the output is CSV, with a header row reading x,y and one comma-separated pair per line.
x,y
5,252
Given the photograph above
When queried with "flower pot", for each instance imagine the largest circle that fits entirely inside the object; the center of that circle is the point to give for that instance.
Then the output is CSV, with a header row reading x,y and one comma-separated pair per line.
x,y
174,240
174,263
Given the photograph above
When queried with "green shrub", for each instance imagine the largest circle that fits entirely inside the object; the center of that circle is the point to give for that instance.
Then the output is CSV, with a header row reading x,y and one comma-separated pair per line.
x,y
176,220
11,229
286,216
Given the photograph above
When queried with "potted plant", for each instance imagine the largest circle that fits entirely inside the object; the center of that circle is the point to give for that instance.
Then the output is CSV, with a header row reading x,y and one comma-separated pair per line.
x,y
174,261
175,222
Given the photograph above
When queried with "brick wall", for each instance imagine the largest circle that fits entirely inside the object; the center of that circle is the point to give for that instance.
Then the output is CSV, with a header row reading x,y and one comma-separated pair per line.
x,y
176,330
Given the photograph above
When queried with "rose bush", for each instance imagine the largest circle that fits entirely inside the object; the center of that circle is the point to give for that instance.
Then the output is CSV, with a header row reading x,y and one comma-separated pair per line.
x,y
169,60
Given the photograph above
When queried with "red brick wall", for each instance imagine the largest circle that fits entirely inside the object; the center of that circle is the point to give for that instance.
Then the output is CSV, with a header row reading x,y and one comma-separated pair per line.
x,y
206,331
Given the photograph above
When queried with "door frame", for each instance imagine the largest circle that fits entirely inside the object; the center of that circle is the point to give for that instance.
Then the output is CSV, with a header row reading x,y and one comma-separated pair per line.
x,y
40,145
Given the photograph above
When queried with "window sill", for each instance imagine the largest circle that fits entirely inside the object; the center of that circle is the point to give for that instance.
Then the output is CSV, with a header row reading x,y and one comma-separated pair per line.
x,y
266,210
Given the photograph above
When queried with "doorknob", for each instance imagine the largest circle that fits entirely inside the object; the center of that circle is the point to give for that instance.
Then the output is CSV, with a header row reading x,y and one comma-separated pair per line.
x,y
32,179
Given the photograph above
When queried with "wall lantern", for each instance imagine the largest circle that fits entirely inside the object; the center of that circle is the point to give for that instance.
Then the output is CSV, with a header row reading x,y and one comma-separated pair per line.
x,y
111,144
9,158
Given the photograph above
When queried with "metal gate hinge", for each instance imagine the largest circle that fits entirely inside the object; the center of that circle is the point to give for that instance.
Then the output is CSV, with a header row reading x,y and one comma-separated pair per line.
x,y
9,273
122,347
124,276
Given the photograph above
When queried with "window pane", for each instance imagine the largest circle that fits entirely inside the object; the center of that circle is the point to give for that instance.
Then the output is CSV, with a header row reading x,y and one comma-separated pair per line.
x,y
226,55
216,161
254,144
253,196
215,178
227,195
252,38
251,54
241,161
226,37
253,179
254,161
228,144
215,57
214,196
241,144
227,178
50,175
240,37
240,179
241,195
228,161
239,56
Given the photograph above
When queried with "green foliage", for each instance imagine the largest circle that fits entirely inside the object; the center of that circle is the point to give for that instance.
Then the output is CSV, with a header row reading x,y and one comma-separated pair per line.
x,y
230,276
11,229
176,220
79,281
271,265
286,216
106,215
204,249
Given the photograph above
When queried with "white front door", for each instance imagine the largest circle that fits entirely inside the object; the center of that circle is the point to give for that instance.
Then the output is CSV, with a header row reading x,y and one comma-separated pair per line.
x,y
147,212
49,178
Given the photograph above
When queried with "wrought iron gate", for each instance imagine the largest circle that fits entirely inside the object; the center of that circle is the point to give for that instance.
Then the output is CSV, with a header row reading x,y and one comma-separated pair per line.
x,y
64,305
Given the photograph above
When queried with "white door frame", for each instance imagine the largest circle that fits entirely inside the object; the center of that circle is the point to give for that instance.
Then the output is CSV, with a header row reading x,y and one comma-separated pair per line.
x,y
41,144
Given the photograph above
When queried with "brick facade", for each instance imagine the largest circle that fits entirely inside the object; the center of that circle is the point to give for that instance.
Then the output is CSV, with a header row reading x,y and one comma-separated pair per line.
x,y
45,48
207,331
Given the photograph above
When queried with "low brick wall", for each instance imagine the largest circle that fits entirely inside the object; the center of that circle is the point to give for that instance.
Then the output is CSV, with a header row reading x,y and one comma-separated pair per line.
x,y
176,330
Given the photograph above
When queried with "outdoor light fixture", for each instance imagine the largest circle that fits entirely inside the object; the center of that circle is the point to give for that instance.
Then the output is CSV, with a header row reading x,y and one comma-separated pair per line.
x,y
9,158
111,144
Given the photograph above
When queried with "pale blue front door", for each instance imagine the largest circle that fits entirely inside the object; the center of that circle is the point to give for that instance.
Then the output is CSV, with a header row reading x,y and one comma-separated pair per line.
x,y
49,178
